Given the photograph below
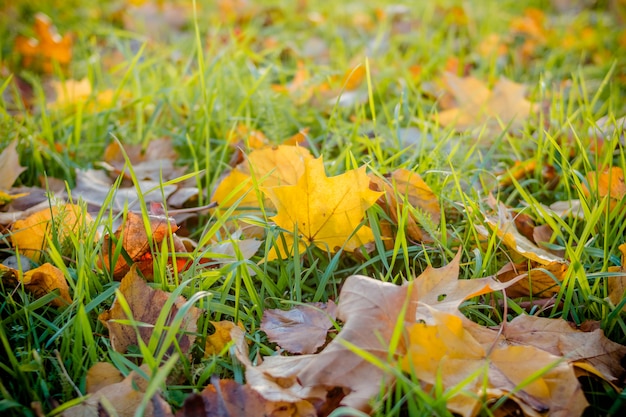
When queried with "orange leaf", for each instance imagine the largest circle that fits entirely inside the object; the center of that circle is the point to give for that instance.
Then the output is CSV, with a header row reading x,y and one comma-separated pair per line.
x,y
135,242
30,236
40,281
47,48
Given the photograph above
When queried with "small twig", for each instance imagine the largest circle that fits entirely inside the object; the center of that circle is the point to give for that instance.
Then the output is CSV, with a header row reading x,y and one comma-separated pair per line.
x,y
58,356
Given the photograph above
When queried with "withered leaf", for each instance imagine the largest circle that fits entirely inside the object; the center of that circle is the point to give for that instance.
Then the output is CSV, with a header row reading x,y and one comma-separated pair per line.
x,y
40,281
10,167
146,305
227,398
125,396
617,285
541,281
302,329
135,242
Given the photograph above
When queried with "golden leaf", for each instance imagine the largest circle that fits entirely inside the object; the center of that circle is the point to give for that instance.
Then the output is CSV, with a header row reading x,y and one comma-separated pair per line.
x,y
216,342
30,235
325,210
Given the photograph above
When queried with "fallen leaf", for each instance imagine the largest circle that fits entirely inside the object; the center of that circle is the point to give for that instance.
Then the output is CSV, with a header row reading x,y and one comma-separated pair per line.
x,y
47,48
476,105
100,375
559,338
146,305
69,93
617,284
302,329
136,243
10,167
40,281
369,310
541,281
442,290
227,398
220,338
94,187
155,162
608,183
30,236
446,354
326,211
504,227
405,187
267,167
124,396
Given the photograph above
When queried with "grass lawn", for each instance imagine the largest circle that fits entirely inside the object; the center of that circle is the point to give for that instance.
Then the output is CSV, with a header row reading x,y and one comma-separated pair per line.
x,y
510,112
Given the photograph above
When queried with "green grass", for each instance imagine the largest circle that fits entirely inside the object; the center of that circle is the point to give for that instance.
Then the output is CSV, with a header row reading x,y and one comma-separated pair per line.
x,y
195,85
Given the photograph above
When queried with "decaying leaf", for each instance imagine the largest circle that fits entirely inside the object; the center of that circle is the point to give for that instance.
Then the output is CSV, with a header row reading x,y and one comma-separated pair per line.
x,y
47,49
155,162
30,236
137,243
504,226
405,187
146,305
559,338
325,211
441,289
446,353
617,284
227,398
124,396
40,281
475,105
10,167
540,281
302,329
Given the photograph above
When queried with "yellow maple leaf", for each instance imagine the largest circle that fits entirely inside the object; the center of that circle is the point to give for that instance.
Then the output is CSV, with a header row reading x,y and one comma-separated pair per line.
x,y
326,211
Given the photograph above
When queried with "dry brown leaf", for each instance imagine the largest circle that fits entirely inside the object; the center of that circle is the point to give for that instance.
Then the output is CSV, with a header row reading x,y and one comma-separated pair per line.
x,y
441,289
155,162
40,281
369,310
136,243
30,236
94,187
47,48
10,167
617,284
146,304
541,281
559,338
227,398
325,210
125,396
276,378
406,187
302,329
476,105
504,227
100,375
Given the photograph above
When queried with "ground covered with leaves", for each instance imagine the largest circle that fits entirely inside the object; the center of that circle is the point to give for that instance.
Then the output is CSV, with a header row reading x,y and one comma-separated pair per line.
x,y
240,208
